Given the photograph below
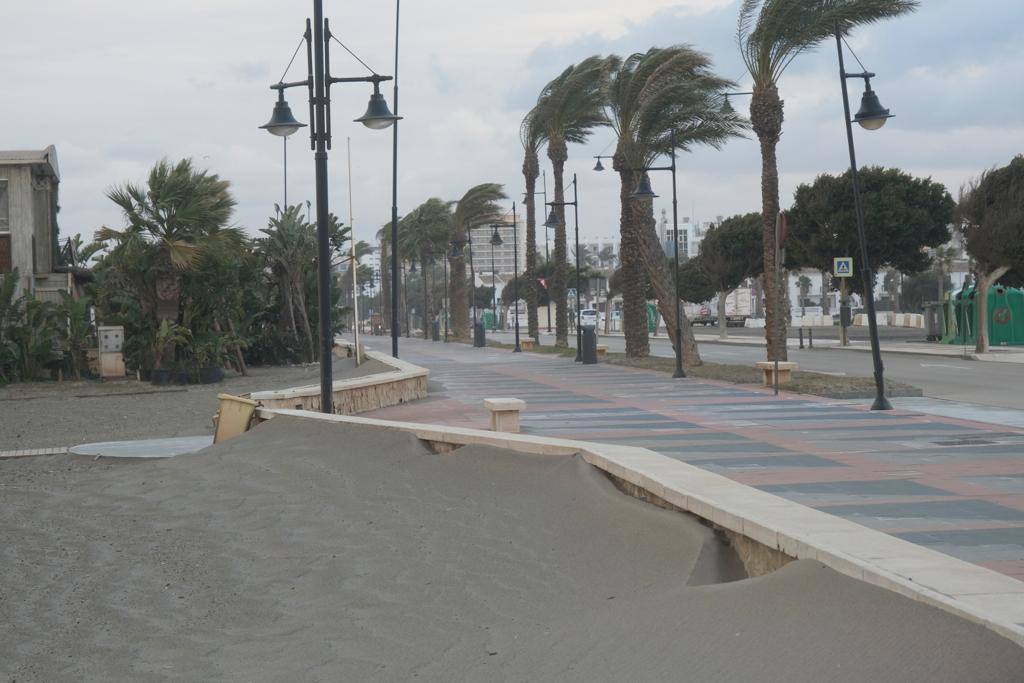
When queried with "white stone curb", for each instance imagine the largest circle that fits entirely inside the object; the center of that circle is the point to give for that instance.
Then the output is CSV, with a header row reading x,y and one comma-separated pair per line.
x,y
962,588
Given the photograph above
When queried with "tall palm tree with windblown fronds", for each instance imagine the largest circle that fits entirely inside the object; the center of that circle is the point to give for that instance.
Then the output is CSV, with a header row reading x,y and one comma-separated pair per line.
x,y
657,99
478,206
567,111
532,136
423,236
182,212
771,34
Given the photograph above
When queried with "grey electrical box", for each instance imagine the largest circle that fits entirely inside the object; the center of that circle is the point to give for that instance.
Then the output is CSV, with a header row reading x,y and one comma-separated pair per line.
x,y
111,338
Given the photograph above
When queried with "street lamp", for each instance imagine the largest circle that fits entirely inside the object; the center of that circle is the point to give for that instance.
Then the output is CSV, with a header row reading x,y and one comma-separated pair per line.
x,y
644,191
318,83
871,116
283,124
554,221
496,241
515,272
547,240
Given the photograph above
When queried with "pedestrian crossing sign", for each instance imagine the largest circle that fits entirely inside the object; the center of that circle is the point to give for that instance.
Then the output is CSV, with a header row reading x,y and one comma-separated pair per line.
x,y
842,266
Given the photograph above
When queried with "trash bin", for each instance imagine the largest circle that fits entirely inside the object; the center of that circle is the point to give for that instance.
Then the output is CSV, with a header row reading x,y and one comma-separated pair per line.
x,y
934,320
436,331
589,346
845,315
479,335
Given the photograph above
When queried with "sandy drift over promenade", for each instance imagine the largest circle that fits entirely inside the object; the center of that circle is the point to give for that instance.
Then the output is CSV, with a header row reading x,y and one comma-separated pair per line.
x,y
311,551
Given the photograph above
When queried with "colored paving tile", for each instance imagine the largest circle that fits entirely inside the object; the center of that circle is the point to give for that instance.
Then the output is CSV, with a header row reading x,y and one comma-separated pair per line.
x,y
934,512
973,545
764,462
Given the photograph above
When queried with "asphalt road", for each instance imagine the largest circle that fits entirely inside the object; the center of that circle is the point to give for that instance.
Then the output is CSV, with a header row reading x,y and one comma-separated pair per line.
x,y
984,383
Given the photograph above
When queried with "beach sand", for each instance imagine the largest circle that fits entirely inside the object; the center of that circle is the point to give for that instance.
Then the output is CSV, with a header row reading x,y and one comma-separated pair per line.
x,y
313,551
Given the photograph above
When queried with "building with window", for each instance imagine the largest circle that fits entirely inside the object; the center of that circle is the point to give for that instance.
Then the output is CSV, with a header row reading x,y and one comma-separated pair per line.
x,y
504,254
28,221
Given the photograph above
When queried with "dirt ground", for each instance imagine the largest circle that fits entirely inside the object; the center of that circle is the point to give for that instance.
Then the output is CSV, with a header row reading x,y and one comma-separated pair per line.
x,y
312,551
48,414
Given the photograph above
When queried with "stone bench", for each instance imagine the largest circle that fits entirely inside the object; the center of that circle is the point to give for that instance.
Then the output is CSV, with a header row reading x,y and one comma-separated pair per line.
x,y
786,369
504,413
526,344
601,350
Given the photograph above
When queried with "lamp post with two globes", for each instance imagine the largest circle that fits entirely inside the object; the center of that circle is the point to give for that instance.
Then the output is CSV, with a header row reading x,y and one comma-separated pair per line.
x,y
378,117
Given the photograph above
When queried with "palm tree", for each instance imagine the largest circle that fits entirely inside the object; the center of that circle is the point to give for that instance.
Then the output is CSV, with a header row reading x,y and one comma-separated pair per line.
x,y
771,34
532,136
567,111
290,249
422,234
478,206
664,97
181,211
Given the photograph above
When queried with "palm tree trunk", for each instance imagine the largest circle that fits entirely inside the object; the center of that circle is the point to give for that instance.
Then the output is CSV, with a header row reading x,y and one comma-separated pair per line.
x,y
458,297
299,299
766,116
658,271
558,153
385,287
284,284
529,290
426,293
634,280
723,324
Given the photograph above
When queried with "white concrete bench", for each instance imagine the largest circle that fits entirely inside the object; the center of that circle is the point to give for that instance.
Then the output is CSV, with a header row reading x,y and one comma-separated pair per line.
x,y
786,369
504,413
526,344
601,350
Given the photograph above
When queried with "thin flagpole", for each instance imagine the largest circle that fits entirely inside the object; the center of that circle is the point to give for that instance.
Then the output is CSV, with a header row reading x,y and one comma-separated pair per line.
x,y
354,263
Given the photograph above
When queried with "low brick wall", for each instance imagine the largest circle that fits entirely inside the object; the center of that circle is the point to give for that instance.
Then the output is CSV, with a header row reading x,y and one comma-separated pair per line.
x,y
405,382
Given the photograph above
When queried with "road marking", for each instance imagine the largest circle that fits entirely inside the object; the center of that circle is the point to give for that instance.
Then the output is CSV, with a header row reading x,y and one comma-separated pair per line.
x,y
942,365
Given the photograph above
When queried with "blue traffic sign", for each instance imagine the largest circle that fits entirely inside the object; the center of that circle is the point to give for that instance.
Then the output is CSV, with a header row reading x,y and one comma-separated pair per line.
x,y
842,266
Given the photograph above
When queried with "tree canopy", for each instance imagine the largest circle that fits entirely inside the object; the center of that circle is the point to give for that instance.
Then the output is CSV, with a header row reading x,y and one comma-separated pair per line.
x,y
731,252
903,215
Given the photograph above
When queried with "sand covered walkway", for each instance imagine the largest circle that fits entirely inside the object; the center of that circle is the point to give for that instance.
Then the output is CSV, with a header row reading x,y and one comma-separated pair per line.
x,y
313,551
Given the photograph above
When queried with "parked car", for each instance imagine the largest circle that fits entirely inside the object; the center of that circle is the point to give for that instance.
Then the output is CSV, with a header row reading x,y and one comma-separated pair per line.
x,y
588,317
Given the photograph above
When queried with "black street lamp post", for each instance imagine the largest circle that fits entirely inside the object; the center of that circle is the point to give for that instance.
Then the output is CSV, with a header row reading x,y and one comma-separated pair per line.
x,y
496,241
554,221
644,191
318,82
547,241
871,116
515,272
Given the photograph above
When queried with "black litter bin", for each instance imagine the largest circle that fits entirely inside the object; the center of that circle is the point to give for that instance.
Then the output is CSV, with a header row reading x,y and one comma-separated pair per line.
x,y
436,325
479,336
589,346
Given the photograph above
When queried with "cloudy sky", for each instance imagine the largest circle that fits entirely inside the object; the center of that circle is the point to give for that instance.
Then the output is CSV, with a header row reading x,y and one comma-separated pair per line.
x,y
118,84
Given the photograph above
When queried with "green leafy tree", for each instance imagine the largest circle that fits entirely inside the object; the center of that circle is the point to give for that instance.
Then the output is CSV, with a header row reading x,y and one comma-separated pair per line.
x,y
903,217
729,254
568,109
662,98
423,236
991,214
76,332
771,34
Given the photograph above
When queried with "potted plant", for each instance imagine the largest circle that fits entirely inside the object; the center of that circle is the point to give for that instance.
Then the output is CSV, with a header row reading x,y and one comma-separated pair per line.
x,y
169,336
210,354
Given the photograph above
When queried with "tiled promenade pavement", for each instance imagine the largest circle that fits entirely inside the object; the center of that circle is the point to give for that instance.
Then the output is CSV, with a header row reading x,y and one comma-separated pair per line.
x,y
951,485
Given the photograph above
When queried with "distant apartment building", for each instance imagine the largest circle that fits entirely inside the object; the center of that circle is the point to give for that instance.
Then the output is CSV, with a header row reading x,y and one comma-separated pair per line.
x,y
690,235
28,221
504,254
